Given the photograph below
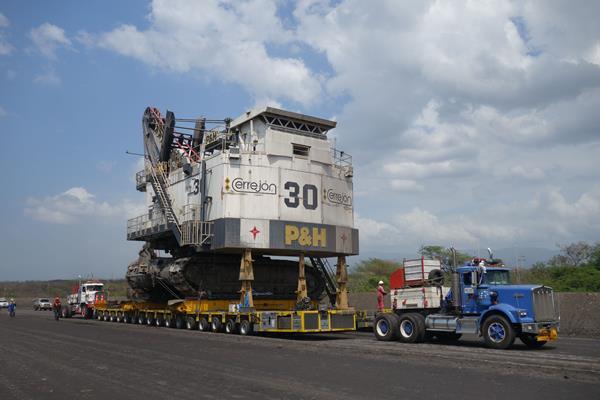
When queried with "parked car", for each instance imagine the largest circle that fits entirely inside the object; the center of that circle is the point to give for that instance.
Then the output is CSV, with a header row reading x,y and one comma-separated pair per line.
x,y
3,302
42,303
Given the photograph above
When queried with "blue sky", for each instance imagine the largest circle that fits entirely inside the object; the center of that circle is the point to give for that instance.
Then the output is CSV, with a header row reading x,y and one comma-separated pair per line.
x,y
471,125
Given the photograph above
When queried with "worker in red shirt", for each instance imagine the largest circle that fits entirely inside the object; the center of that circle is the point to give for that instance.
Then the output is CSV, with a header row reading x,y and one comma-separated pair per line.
x,y
56,307
380,293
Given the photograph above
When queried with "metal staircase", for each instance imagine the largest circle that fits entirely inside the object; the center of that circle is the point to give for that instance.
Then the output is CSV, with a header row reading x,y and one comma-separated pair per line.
x,y
328,274
159,183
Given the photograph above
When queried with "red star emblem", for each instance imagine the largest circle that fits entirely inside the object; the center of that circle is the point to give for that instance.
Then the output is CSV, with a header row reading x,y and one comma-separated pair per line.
x,y
254,232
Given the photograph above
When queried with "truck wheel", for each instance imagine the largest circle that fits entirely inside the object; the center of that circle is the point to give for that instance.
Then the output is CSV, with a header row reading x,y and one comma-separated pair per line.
x,y
169,323
160,320
141,318
127,318
411,328
179,322
190,324
385,327
245,327
203,324
498,332
216,325
231,326
531,342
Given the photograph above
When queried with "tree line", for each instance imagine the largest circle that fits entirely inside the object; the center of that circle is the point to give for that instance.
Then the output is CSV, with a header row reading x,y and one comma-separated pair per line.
x,y
575,269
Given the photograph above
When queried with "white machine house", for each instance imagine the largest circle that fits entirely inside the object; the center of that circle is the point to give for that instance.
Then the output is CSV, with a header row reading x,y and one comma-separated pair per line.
x,y
232,200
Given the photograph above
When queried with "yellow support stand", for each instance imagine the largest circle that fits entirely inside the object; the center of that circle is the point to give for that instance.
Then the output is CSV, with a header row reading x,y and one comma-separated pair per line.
x,y
341,276
302,291
246,277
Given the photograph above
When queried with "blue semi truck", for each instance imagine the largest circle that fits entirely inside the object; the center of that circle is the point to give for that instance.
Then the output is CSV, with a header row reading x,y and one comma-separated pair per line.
x,y
480,300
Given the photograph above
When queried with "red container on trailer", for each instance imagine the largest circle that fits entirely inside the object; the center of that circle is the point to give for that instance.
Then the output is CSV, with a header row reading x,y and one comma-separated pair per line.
x,y
397,279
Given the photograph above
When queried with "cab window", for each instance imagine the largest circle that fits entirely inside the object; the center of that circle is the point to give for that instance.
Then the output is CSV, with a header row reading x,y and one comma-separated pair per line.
x,y
467,279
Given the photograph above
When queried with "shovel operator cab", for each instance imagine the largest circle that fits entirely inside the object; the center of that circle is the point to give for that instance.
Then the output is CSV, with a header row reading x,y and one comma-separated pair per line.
x,y
479,301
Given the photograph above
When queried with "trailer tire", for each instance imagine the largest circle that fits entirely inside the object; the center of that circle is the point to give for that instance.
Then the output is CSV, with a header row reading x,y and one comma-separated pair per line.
x,y
191,324
159,320
203,324
127,318
246,327
231,326
497,332
179,322
385,327
141,318
150,321
531,342
410,329
169,323
216,325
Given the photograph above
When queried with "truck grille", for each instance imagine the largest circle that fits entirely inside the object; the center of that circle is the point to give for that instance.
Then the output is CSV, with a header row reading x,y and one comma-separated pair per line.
x,y
543,304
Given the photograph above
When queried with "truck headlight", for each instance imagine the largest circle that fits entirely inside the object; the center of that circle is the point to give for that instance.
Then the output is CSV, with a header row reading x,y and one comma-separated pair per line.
x,y
522,313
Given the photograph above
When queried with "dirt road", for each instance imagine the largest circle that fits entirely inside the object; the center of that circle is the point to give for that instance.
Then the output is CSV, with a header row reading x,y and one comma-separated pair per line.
x,y
44,359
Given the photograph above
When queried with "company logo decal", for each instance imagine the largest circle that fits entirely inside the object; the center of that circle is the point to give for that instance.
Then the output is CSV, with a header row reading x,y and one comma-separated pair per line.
x,y
304,236
243,186
332,196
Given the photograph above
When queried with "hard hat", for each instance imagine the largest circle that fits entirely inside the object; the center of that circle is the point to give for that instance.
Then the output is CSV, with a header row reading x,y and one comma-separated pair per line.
x,y
381,282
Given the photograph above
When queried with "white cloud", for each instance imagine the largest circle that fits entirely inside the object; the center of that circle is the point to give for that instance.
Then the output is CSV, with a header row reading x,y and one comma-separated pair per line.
x,y
76,205
106,165
5,47
406,185
48,38
225,39
3,112
48,77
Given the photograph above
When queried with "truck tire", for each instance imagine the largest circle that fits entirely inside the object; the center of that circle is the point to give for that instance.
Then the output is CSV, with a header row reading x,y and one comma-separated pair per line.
x,y
150,321
531,341
191,324
385,327
411,328
160,320
231,326
127,318
498,333
203,324
216,325
246,327
169,322
179,322
141,318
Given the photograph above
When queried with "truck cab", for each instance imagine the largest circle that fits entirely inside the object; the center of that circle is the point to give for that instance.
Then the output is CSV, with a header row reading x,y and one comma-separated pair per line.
x,y
481,300
81,301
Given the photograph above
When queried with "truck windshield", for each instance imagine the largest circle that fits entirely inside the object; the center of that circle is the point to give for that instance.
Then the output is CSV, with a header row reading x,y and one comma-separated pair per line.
x,y
95,288
497,277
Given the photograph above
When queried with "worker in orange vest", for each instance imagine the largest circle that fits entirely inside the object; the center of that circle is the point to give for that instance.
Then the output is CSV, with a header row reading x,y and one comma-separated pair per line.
x,y
380,293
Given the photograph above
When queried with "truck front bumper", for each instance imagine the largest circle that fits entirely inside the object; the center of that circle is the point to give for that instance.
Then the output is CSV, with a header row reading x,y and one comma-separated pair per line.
x,y
543,330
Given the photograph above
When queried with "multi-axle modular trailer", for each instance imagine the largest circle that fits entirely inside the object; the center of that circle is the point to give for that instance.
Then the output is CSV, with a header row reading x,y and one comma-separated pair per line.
x,y
225,316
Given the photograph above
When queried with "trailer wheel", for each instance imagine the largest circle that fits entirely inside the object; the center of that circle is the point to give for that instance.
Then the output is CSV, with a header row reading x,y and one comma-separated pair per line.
x,y
411,328
127,318
385,327
498,332
150,320
190,324
160,320
179,322
245,327
169,323
203,324
216,325
531,341
231,326
141,318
